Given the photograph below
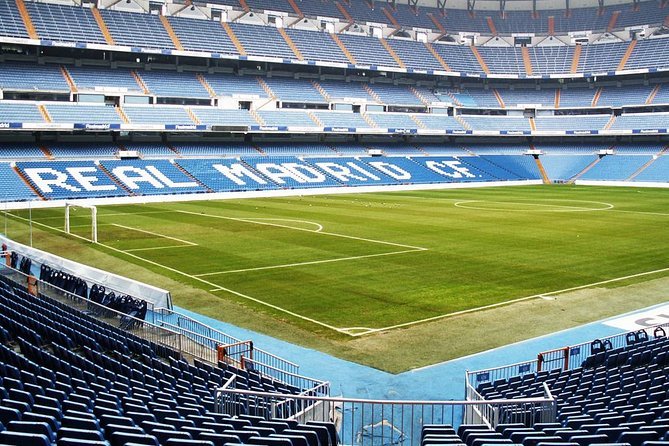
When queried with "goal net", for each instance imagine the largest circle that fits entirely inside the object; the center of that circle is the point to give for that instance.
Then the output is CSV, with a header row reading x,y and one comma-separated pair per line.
x,y
82,221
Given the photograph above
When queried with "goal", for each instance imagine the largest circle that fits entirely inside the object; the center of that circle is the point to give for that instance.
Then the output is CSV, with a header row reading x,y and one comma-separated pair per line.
x,y
81,217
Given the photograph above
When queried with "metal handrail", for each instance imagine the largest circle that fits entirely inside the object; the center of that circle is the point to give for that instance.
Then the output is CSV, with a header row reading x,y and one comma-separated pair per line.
x,y
372,422
568,358
260,356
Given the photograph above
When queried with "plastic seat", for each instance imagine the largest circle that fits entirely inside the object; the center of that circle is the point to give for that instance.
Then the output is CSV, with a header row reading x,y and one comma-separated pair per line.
x,y
21,406
123,438
80,423
295,440
39,418
78,442
331,429
585,440
612,432
31,427
23,439
269,441
149,426
163,435
80,434
218,439
112,419
638,438
182,442
323,433
8,414
195,431
139,417
178,423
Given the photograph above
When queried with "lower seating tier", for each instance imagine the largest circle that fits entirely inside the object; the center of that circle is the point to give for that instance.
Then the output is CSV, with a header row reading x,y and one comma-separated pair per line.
x,y
282,166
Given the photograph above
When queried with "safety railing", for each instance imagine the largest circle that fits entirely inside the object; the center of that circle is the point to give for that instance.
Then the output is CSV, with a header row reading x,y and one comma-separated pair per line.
x,y
268,363
571,357
474,378
382,422
315,386
565,358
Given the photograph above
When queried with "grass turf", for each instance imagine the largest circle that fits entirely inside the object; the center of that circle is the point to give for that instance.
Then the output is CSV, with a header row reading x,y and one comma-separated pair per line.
x,y
384,260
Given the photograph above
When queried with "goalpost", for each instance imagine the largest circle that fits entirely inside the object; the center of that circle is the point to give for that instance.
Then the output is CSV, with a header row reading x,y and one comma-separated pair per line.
x,y
94,219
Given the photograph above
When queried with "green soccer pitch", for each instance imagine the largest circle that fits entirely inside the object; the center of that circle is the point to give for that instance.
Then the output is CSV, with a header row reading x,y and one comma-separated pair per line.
x,y
346,272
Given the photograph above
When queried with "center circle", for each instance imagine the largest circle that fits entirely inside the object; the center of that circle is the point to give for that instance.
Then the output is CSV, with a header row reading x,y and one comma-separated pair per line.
x,y
530,205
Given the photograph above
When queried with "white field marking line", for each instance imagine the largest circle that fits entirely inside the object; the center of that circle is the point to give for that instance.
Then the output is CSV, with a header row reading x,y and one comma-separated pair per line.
x,y
157,248
318,226
176,271
315,262
185,242
560,208
332,234
508,302
661,214
128,214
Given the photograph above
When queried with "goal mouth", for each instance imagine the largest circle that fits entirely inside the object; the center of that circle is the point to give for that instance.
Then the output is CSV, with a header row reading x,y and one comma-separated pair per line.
x,y
92,212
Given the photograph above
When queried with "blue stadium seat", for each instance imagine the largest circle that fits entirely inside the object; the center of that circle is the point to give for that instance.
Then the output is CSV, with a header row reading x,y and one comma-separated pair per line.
x,y
23,439
80,434
122,438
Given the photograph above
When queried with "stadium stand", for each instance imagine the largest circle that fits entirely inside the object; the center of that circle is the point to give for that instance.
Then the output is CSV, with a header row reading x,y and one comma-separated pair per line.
x,y
657,171
624,96
316,45
17,112
226,175
496,123
129,29
31,77
91,78
615,396
20,150
617,167
294,90
173,84
569,122
286,118
562,168
641,121
157,115
11,23
13,188
82,150
83,113
64,23
262,41
194,35
51,181
144,177
228,85
116,387
551,59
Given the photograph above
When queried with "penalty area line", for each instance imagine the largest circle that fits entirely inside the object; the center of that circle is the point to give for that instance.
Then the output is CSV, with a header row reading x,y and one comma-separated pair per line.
x,y
155,248
185,242
315,262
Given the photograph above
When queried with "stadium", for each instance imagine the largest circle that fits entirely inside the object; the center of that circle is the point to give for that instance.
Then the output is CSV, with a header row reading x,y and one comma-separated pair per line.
x,y
334,222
